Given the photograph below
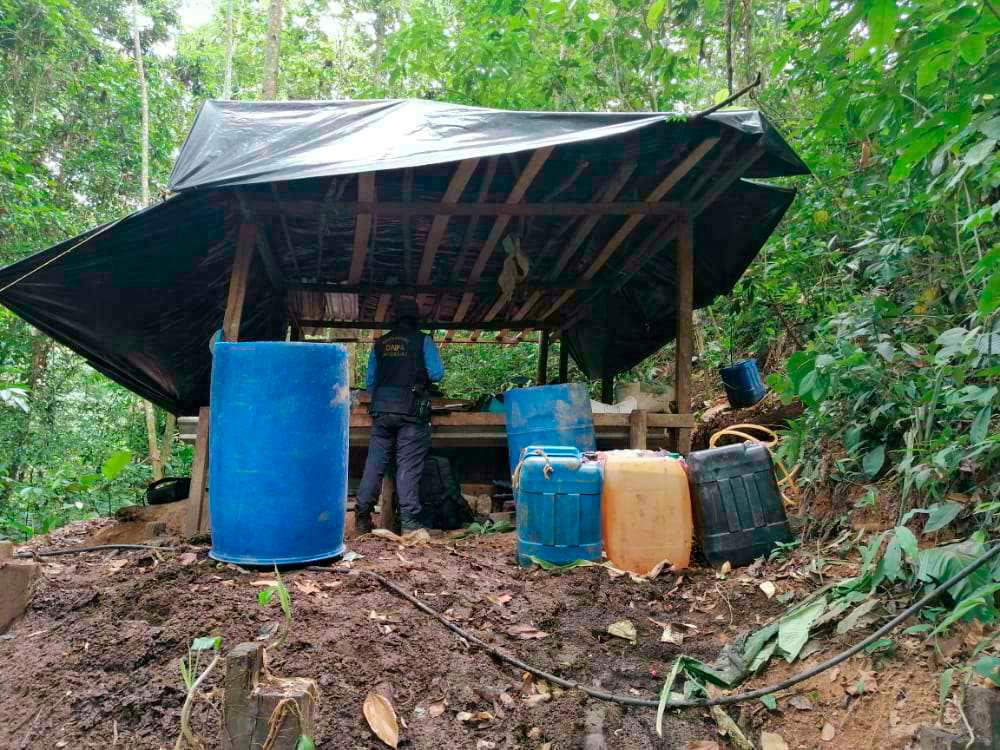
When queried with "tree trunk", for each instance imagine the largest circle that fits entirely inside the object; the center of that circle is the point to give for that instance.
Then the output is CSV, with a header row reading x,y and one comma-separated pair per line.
x,y
269,90
227,81
729,44
154,449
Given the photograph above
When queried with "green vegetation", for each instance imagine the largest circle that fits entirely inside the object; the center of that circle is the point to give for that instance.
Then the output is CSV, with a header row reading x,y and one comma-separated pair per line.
x,y
880,290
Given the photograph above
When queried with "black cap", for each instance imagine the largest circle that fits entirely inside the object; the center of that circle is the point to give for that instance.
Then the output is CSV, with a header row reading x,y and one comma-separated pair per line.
x,y
407,308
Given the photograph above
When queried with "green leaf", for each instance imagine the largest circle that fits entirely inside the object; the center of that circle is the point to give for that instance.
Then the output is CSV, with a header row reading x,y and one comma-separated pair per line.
x,y
972,48
665,694
546,565
918,629
206,643
978,153
915,150
305,743
264,596
944,684
882,22
941,514
981,425
873,460
833,116
769,702
908,542
655,12
851,621
793,629
988,667
892,560
116,464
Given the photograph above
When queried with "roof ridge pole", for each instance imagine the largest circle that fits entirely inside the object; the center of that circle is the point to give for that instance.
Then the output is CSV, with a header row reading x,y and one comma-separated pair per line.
x,y
665,185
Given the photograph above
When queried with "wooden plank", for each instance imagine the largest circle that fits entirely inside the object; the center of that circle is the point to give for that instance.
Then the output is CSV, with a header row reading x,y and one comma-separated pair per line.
x,y
435,325
637,429
675,176
563,361
362,227
496,419
521,186
683,349
308,207
383,307
196,517
238,278
542,376
455,187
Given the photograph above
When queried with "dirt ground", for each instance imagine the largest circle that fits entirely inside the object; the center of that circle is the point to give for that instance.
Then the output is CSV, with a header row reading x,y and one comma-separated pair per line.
x,y
95,662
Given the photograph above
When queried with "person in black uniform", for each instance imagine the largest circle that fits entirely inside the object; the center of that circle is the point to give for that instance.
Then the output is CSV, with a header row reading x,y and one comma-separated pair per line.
x,y
401,366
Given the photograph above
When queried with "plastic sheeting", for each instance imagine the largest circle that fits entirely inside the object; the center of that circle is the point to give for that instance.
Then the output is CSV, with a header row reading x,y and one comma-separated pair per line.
x,y
140,298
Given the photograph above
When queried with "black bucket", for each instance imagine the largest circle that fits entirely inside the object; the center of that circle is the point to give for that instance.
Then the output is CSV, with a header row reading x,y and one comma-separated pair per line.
x,y
168,490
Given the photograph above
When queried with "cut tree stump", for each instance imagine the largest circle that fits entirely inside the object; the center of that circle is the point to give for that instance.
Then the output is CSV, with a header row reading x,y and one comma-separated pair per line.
x,y
16,577
261,710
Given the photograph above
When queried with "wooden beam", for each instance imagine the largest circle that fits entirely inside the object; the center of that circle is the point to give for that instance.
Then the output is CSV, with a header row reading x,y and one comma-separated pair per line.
x,y
438,325
542,377
284,229
637,424
271,265
245,243
534,166
310,207
455,187
632,222
196,517
608,389
685,306
383,307
362,226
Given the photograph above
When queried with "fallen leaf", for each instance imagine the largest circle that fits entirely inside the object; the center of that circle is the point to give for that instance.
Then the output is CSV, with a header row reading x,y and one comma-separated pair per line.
x,y
267,630
505,699
864,683
701,745
768,588
420,536
478,716
436,709
373,615
534,700
772,741
535,733
116,565
381,717
828,732
545,746
262,582
498,599
526,632
307,587
623,629
671,636
801,703
485,745
351,556
187,558
386,534
834,674
725,570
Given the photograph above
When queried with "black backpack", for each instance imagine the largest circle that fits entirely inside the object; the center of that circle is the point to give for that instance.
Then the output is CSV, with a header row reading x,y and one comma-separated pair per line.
x,y
441,502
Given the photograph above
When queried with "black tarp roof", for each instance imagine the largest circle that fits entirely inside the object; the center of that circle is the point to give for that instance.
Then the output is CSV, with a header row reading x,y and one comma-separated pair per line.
x,y
139,298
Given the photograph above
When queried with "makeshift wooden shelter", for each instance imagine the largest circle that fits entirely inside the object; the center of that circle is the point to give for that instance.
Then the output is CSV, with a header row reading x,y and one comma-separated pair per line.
x,y
604,230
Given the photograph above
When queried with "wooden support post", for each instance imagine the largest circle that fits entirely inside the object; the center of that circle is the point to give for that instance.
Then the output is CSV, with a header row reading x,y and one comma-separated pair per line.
x,y
258,712
563,361
685,303
543,358
608,389
388,512
245,246
637,429
196,519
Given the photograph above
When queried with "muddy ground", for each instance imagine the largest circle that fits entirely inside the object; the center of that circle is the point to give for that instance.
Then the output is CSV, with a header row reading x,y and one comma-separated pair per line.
x,y
95,662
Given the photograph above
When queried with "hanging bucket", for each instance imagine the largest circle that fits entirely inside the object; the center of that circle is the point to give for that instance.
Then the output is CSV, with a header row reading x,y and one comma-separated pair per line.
x,y
742,383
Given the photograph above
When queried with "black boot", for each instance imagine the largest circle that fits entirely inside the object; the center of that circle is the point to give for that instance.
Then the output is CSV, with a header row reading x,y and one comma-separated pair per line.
x,y
362,522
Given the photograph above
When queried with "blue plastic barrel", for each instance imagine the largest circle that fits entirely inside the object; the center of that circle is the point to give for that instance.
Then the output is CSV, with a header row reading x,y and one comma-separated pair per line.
x,y
278,452
742,383
558,495
548,415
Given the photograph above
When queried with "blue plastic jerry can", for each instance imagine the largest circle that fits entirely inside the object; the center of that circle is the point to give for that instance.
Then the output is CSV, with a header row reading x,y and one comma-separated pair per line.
x,y
558,494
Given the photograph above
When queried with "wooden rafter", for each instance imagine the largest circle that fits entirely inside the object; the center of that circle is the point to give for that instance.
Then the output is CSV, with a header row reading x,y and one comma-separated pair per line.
x,y
619,237
521,186
506,210
284,228
734,173
455,187
362,227
615,185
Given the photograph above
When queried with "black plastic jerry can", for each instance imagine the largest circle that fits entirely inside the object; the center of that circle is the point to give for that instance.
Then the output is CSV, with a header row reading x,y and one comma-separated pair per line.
x,y
739,514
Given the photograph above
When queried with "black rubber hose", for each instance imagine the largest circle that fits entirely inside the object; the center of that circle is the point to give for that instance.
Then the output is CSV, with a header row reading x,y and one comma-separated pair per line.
x,y
688,703
78,550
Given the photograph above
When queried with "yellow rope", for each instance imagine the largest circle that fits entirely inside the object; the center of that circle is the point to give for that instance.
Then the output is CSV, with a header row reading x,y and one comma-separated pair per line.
x,y
739,431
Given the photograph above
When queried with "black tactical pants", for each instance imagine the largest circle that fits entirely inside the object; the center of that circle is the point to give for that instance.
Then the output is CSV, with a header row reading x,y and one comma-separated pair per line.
x,y
406,440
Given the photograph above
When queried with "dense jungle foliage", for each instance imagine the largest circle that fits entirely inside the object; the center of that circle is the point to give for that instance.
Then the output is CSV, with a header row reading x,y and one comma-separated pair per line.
x,y
876,300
